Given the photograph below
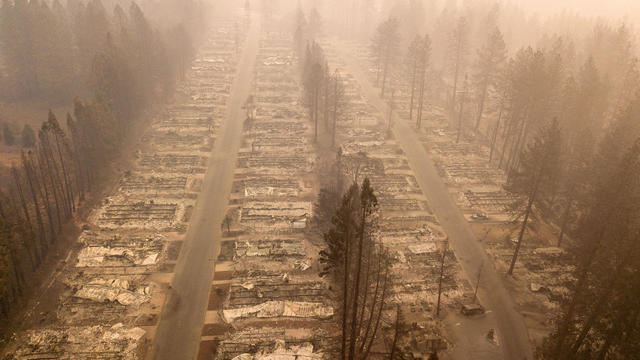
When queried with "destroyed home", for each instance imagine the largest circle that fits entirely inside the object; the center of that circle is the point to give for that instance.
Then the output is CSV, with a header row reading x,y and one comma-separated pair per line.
x,y
356,180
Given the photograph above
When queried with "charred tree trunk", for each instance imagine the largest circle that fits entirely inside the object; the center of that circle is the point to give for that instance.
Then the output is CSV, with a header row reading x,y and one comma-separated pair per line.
x,y
47,202
495,134
379,316
36,204
384,77
336,96
325,103
80,183
483,96
47,175
565,216
67,182
581,284
49,161
345,292
605,295
532,198
315,113
413,87
444,254
455,87
356,284
396,334
373,304
505,140
365,294
16,178
461,115
421,100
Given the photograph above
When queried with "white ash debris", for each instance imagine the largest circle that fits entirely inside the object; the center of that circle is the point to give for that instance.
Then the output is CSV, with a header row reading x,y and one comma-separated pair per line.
x,y
92,342
276,309
93,256
114,290
283,352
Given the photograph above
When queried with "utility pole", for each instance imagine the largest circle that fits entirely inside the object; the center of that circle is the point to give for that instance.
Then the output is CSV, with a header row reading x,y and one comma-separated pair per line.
x,y
475,293
444,254
462,99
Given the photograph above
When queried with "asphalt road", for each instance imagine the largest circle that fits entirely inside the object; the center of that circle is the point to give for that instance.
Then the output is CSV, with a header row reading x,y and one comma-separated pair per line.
x,y
512,332
178,333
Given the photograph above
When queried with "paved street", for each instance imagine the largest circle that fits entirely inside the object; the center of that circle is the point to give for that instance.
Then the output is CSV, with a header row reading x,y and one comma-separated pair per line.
x,y
178,333
502,315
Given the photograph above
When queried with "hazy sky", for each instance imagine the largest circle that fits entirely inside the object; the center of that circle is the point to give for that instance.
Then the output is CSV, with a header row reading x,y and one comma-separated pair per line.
x,y
605,8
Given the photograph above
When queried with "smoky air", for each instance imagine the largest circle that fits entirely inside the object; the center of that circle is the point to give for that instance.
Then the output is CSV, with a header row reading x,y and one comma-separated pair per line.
x,y
319,179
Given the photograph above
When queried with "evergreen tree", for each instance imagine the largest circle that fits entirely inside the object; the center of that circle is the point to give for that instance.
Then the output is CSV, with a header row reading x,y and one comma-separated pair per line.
x,y
90,27
424,59
489,63
589,100
300,32
575,181
385,48
360,268
413,65
458,53
537,176
599,318
28,136
7,134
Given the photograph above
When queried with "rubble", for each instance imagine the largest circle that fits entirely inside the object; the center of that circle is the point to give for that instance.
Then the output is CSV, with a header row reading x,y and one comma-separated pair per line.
x,y
113,290
271,344
408,228
266,262
473,172
279,309
113,286
93,342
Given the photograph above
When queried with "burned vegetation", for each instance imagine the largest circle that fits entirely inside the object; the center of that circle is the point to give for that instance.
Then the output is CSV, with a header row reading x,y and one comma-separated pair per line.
x,y
410,179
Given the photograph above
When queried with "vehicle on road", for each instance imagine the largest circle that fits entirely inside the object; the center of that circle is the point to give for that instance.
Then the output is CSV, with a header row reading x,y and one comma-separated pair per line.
x,y
472,309
480,216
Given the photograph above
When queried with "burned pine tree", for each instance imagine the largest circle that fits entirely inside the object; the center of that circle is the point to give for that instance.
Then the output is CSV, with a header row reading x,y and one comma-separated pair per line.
x,y
313,78
330,195
28,137
599,318
413,64
488,66
384,46
359,266
339,103
527,102
575,182
300,32
7,134
537,175
419,57
11,273
458,54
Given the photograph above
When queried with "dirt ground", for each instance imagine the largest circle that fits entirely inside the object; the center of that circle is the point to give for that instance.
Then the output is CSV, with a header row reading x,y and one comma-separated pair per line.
x,y
500,234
